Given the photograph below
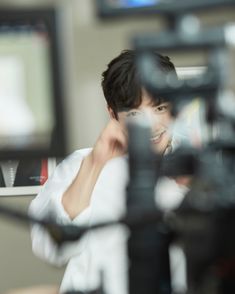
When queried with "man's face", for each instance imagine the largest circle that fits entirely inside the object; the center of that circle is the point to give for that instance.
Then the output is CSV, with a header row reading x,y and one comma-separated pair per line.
x,y
160,121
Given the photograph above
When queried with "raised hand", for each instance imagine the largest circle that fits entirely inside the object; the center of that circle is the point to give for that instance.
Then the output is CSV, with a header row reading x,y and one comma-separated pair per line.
x,y
111,143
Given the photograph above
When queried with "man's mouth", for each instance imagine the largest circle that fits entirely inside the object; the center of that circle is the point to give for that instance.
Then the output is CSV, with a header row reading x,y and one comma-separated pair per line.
x,y
156,138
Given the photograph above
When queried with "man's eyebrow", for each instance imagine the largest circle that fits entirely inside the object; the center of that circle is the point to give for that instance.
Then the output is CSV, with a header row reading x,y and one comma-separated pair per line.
x,y
126,109
153,102
159,102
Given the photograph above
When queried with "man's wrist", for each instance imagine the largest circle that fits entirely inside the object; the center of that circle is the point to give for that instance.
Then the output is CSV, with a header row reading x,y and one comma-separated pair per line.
x,y
95,161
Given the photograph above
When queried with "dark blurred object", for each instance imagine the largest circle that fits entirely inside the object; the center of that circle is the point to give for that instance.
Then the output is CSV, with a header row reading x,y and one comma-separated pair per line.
x,y
148,245
182,162
205,224
207,86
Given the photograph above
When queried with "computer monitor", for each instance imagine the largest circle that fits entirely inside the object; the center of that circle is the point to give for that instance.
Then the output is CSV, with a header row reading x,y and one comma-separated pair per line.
x,y
119,8
31,84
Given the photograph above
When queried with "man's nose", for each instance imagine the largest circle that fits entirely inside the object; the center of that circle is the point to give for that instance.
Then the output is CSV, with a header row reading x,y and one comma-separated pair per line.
x,y
156,120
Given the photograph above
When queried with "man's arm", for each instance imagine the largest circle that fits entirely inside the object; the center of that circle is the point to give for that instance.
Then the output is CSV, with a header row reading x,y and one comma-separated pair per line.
x,y
111,143
77,196
47,204
65,201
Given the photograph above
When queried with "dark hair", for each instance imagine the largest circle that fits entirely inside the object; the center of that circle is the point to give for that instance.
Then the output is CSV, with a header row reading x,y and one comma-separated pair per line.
x,y
121,82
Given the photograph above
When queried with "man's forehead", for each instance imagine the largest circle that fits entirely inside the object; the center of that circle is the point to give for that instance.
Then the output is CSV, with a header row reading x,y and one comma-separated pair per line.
x,y
151,100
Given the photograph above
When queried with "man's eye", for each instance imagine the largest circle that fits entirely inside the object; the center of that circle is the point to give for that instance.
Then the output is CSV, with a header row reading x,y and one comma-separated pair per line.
x,y
161,108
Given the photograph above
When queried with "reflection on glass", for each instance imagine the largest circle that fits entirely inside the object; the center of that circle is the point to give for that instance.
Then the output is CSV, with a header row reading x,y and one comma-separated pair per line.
x,y
131,3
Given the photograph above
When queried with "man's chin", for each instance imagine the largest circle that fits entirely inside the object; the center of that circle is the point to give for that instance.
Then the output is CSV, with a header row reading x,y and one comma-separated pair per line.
x,y
160,148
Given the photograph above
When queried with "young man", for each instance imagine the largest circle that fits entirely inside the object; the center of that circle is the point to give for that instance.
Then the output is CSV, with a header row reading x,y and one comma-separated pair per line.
x,y
89,186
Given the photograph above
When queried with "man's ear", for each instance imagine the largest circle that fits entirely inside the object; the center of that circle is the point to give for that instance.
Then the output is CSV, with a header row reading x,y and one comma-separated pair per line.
x,y
111,112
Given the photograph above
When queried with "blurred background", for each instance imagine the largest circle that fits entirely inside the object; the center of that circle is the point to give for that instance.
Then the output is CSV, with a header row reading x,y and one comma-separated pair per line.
x,y
89,46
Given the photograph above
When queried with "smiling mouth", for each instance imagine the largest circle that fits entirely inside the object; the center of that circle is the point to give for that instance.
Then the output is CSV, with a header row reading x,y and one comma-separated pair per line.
x,y
157,137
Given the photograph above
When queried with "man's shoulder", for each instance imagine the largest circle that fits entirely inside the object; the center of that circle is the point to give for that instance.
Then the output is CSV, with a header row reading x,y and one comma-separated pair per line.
x,y
82,152
76,156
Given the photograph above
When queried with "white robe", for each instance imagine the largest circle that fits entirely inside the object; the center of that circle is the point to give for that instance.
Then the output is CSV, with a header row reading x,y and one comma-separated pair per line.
x,y
103,250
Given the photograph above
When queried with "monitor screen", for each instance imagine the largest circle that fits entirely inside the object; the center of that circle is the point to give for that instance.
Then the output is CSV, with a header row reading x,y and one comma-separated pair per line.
x,y
30,102
131,3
